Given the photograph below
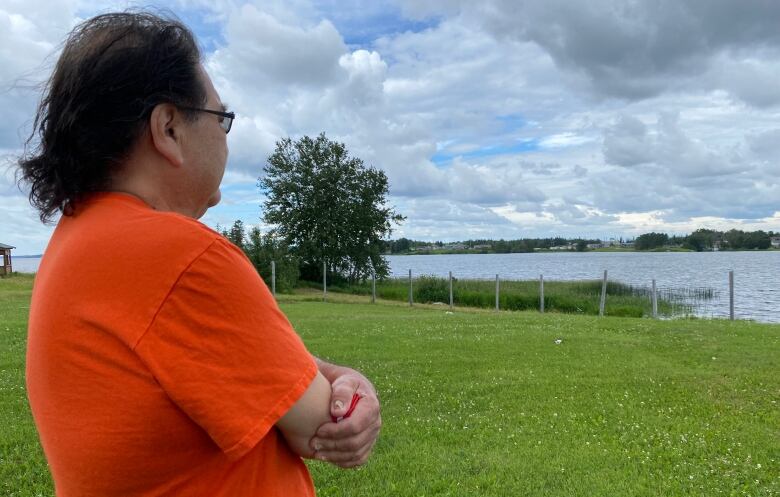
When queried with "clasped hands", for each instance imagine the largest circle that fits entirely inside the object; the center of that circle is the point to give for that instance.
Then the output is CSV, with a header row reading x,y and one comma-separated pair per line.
x,y
348,443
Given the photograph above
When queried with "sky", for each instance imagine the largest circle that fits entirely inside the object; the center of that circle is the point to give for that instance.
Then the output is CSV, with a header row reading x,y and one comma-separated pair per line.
x,y
492,119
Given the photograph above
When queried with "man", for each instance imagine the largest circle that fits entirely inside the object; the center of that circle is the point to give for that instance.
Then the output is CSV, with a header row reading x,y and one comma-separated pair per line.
x,y
158,363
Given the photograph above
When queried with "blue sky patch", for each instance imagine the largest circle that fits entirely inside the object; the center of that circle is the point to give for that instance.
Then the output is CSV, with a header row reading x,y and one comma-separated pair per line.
x,y
362,25
207,28
442,158
512,122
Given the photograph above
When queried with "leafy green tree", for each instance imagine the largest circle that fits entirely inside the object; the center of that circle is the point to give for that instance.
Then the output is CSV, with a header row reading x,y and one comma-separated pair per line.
x,y
701,239
757,240
402,245
502,247
328,206
262,249
734,239
649,241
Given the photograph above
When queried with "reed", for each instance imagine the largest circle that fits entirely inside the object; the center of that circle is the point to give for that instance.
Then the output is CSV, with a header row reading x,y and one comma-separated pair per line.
x,y
577,297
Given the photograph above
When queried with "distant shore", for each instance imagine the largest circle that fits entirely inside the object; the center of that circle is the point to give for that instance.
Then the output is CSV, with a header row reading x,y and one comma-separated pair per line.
x,y
549,251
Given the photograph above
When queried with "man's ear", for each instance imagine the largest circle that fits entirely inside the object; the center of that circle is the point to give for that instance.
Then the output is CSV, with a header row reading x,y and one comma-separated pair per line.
x,y
165,127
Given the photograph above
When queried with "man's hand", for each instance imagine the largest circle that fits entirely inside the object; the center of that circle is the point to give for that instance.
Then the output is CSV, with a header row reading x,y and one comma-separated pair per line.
x,y
349,442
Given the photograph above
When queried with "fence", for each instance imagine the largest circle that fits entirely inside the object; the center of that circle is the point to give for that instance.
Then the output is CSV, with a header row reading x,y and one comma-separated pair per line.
x,y
655,294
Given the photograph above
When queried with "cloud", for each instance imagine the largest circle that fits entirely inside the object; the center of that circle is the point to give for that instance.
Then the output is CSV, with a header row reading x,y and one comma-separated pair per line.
x,y
750,77
491,119
490,185
766,144
446,220
630,143
631,50
627,143
29,34
265,50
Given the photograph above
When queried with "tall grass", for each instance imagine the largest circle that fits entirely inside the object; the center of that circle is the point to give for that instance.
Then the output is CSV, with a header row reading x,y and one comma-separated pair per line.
x,y
577,297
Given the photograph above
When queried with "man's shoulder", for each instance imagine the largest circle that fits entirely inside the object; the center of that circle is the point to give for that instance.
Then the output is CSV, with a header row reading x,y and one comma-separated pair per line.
x,y
121,231
117,217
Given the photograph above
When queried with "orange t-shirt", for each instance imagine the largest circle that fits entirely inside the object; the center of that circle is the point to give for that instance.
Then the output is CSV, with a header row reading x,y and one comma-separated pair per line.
x,y
158,362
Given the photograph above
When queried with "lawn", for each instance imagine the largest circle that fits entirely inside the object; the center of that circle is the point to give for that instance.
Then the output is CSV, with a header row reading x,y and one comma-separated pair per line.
x,y
483,403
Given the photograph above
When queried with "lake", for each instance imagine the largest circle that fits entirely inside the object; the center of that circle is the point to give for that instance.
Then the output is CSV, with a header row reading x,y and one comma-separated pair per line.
x,y
25,264
756,274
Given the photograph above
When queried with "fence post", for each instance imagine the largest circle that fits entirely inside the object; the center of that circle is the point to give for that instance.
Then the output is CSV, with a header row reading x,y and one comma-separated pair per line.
x,y
655,301
273,278
603,295
496,293
731,295
450,290
324,280
411,301
541,293
373,288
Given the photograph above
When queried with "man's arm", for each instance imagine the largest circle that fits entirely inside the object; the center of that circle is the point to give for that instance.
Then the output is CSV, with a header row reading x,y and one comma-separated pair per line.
x,y
300,422
349,442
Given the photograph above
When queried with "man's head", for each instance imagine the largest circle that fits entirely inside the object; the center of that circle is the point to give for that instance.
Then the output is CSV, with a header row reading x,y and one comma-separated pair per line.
x,y
122,80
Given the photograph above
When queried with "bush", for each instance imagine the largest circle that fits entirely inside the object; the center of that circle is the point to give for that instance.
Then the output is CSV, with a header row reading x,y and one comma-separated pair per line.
x,y
262,250
430,289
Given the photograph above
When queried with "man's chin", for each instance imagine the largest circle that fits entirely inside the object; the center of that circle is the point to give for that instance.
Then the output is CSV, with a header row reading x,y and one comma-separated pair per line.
x,y
214,200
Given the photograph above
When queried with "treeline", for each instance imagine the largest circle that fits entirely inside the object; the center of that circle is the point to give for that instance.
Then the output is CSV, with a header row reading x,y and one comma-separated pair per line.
x,y
699,240
406,245
705,239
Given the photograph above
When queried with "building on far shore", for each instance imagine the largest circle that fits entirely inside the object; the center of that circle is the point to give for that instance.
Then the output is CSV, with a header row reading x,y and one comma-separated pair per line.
x,y
5,254
775,241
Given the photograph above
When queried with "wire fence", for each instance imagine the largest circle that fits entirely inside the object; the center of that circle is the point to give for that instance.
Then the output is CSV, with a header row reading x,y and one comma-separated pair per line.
x,y
603,296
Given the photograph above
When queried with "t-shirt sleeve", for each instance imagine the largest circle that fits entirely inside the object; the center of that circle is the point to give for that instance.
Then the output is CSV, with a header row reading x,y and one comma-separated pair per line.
x,y
223,351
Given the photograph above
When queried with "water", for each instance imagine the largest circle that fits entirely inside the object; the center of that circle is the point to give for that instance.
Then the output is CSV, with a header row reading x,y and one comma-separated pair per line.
x,y
25,264
756,274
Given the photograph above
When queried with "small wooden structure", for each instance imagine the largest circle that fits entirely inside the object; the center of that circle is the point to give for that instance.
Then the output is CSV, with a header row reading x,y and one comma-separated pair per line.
x,y
5,258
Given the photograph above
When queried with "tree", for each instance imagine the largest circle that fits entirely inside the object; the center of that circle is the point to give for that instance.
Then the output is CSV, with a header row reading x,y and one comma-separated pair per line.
x,y
327,206
402,245
701,239
261,250
236,234
757,240
648,241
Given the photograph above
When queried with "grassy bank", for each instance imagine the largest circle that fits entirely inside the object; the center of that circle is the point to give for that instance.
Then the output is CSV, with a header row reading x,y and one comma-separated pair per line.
x,y
486,404
576,297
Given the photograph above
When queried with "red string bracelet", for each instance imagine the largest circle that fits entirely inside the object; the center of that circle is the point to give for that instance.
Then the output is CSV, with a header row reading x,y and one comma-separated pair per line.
x,y
352,405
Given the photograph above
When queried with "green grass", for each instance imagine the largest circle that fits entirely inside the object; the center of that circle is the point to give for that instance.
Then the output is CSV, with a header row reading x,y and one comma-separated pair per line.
x,y
478,403
23,469
577,297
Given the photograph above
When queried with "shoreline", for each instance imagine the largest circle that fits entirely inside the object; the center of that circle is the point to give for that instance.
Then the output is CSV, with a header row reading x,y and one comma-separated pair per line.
x,y
602,251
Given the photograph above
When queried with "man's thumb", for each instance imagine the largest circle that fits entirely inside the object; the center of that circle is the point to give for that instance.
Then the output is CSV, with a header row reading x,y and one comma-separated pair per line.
x,y
341,399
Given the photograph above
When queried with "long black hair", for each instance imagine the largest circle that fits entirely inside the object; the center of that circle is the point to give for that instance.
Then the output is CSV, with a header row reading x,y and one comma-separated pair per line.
x,y
113,70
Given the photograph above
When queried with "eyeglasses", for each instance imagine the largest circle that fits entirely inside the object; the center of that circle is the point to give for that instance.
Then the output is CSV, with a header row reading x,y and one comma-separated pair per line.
x,y
227,117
